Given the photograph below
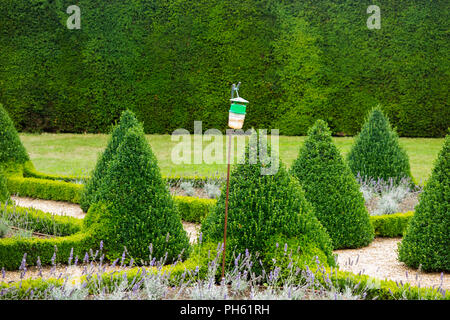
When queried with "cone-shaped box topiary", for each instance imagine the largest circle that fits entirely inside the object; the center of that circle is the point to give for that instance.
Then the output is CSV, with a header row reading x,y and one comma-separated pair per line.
x,y
13,155
376,152
134,208
127,121
265,210
427,239
332,189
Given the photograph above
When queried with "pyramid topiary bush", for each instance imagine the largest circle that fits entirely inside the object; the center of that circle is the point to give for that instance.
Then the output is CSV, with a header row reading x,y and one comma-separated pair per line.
x,y
265,210
332,189
13,155
376,152
133,207
427,239
127,121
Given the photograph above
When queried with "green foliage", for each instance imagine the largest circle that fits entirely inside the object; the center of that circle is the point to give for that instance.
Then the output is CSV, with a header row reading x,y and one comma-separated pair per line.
x,y
45,189
391,225
12,150
172,62
40,221
12,250
262,207
127,121
4,193
193,209
427,239
134,208
376,152
332,189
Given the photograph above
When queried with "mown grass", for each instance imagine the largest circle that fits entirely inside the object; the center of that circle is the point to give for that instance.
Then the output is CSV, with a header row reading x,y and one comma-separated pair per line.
x,y
77,153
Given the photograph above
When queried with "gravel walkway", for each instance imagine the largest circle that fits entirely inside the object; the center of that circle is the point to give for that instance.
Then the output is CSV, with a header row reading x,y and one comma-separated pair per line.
x,y
378,260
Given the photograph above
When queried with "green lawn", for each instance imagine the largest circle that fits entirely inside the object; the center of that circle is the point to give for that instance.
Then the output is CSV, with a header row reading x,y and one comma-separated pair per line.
x,y
77,153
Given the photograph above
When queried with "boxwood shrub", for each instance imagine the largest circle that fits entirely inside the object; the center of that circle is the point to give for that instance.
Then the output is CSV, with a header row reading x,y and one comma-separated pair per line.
x,y
332,189
427,239
376,152
264,209
4,193
127,121
134,207
12,150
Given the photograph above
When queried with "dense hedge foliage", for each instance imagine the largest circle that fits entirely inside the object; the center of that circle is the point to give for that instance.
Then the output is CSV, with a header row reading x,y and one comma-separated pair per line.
x,y
264,209
49,251
332,189
427,239
42,222
45,189
4,193
391,225
127,121
12,151
133,207
376,152
193,209
173,62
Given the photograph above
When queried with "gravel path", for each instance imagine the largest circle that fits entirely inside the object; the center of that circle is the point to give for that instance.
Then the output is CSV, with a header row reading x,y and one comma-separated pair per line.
x,y
378,260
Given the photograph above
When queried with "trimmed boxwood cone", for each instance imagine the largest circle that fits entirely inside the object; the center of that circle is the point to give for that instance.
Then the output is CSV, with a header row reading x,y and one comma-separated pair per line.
x,y
376,152
427,239
127,120
265,210
133,207
12,152
332,189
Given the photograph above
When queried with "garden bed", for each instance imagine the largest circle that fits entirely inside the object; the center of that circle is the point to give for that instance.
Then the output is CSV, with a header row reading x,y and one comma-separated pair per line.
x,y
378,260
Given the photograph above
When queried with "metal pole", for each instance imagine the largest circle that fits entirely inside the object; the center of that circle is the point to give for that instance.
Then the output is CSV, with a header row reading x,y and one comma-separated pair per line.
x,y
226,208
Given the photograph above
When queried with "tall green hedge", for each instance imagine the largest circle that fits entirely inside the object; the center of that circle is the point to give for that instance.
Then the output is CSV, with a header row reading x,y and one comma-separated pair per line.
x,y
427,239
127,121
173,62
134,208
376,152
332,189
265,211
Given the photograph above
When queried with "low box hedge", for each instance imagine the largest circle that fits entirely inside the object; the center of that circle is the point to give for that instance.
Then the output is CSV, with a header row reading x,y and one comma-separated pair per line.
x,y
391,225
42,222
45,189
194,209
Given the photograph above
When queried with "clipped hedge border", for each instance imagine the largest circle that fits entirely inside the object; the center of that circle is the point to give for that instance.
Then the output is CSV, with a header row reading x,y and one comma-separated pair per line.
x,y
391,225
42,222
194,209
12,250
29,172
45,189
